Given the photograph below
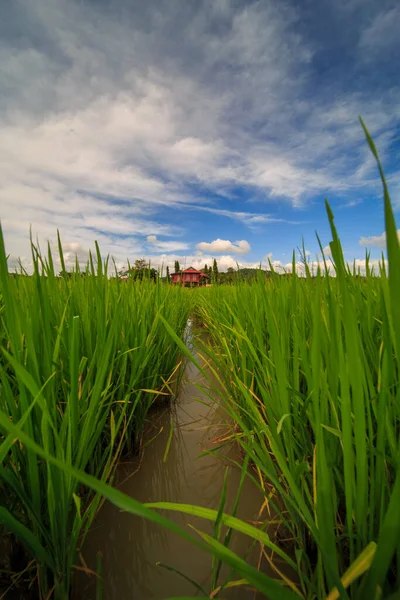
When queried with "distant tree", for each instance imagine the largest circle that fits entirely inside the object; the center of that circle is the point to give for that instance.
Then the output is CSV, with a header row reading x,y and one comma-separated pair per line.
x,y
177,267
148,273
168,276
140,270
215,271
140,264
206,271
210,272
230,275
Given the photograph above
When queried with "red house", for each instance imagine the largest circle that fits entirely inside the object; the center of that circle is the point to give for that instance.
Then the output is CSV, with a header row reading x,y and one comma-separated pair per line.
x,y
189,277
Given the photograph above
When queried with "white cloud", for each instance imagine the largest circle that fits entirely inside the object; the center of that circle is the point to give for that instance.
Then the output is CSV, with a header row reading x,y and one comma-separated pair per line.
x,y
376,240
219,246
327,251
172,246
360,266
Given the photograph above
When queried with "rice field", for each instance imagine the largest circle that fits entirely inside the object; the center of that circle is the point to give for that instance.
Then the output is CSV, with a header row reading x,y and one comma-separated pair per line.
x,y
307,368
83,360
309,372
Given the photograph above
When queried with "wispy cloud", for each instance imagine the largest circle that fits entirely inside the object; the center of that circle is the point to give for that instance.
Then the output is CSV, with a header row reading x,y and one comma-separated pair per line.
x,y
381,35
169,246
250,219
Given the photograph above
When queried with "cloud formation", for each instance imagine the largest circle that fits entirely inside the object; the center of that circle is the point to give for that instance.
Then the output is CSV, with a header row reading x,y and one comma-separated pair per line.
x,y
172,246
358,264
376,240
219,246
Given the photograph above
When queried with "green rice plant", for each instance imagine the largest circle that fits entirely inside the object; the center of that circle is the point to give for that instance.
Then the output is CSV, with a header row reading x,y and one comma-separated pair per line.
x,y
270,587
267,585
309,368
82,359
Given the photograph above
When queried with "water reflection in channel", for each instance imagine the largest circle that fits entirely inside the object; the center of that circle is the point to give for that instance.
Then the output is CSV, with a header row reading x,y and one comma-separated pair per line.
x,y
130,546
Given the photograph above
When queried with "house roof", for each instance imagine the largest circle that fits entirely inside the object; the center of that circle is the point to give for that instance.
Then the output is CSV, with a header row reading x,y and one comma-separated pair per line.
x,y
189,270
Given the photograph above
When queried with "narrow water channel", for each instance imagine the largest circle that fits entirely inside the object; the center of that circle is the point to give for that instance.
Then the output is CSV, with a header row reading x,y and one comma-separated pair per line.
x,y
131,547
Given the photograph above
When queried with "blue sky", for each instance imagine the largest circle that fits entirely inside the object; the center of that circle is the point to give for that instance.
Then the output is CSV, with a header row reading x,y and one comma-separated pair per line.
x,y
192,130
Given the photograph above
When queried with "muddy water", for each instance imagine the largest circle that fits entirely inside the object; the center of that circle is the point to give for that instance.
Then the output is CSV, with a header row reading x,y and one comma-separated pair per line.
x,y
130,547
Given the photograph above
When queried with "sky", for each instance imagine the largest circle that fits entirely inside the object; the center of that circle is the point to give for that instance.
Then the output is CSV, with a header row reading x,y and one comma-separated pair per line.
x,y
197,130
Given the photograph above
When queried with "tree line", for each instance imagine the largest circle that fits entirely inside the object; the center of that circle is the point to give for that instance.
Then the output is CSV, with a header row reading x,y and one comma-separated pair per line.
x,y
142,269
